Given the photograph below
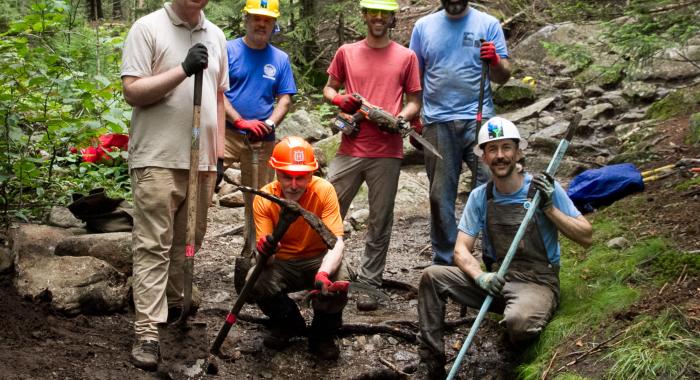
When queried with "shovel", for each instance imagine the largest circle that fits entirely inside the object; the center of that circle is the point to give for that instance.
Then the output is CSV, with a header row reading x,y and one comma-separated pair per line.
x,y
184,346
531,206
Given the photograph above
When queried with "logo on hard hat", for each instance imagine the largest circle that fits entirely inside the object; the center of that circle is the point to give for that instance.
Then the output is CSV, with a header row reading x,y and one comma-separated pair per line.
x,y
495,130
263,4
299,156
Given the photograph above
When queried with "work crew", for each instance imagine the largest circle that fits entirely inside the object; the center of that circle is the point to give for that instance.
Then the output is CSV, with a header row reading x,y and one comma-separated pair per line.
x,y
528,295
450,55
161,53
382,71
261,89
301,261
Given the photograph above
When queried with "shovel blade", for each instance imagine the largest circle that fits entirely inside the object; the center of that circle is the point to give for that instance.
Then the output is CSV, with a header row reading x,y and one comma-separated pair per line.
x,y
184,350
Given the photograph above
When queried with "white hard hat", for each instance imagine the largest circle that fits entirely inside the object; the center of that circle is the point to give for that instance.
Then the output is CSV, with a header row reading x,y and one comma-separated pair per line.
x,y
497,128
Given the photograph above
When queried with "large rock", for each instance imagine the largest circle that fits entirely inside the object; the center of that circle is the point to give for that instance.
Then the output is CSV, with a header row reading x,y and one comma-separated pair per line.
x,y
232,200
514,92
671,64
233,176
556,130
113,247
303,124
568,33
529,111
325,149
62,217
594,111
71,284
639,90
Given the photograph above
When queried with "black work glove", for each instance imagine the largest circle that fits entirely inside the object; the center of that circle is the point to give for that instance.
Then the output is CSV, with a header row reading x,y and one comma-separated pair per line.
x,y
219,171
196,60
545,184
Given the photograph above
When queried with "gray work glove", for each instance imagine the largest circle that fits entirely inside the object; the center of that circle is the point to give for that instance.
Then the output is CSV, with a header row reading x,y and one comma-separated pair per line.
x,y
491,282
196,60
545,184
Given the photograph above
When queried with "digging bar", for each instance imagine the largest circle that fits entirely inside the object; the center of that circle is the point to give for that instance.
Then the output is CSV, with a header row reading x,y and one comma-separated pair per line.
x,y
531,207
184,345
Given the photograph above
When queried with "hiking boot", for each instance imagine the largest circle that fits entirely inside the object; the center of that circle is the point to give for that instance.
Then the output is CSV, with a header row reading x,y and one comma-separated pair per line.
x,y
145,354
366,302
429,370
324,348
279,338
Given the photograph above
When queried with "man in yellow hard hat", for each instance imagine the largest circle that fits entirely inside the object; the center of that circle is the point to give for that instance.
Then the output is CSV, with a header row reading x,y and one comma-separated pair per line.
x,y
385,73
301,260
261,88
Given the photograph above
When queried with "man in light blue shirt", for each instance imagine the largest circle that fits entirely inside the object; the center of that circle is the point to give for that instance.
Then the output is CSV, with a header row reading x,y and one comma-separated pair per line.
x,y
528,294
450,54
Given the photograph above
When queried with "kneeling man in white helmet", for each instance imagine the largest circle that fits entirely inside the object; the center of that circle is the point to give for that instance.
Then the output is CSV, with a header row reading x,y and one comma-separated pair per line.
x,y
528,295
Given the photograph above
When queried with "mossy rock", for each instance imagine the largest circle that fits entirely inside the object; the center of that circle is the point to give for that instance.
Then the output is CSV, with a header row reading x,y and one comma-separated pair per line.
x,y
514,93
675,104
325,149
604,76
694,126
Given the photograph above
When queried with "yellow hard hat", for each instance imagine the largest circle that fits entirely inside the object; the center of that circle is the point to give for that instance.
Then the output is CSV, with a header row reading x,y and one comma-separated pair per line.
x,y
384,5
269,8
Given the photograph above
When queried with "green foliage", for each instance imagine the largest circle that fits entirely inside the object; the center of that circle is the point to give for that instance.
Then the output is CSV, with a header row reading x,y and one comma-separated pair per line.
x,y
596,284
656,348
676,103
61,90
576,55
686,185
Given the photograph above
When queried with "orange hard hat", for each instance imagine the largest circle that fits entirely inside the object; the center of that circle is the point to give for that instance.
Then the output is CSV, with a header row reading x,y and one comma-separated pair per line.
x,y
293,154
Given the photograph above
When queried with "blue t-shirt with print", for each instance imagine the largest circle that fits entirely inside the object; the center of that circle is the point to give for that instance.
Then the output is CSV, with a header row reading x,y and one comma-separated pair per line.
x,y
448,53
256,78
474,216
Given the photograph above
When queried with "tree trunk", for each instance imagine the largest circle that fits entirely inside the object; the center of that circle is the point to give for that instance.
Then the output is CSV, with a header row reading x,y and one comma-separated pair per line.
x,y
117,10
95,10
307,13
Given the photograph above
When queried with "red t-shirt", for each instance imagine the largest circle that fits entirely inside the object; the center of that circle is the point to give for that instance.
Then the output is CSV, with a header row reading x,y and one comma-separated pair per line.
x,y
382,76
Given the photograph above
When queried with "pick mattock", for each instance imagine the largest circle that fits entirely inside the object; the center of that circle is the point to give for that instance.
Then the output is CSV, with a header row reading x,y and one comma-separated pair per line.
x,y
531,207
184,354
288,214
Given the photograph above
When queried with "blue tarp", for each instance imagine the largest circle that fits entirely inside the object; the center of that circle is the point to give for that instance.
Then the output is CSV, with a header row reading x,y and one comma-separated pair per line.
x,y
600,187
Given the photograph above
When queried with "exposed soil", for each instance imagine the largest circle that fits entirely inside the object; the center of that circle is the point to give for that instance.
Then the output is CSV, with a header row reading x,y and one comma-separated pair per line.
x,y
37,344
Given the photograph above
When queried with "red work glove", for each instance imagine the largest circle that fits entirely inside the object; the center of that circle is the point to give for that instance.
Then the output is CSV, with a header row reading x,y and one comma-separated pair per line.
x,y
488,53
347,103
256,128
265,247
418,127
322,282
339,287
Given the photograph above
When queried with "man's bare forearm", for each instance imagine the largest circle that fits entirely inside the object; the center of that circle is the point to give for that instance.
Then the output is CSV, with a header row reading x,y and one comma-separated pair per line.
x,y
333,258
144,91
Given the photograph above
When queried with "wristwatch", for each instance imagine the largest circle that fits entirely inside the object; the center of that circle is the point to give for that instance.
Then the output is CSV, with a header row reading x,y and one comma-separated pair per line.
x,y
270,124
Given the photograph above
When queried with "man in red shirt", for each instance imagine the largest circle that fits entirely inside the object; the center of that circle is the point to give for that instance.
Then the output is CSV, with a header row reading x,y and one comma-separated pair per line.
x,y
383,72
301,261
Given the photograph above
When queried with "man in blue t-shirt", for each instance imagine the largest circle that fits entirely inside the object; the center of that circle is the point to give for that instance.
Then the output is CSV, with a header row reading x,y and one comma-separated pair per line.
x,y
528,294
450,55
259,75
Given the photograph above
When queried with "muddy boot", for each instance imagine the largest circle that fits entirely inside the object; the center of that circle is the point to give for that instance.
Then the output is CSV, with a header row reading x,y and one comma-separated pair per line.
x,y
366,302
324,327
145,354
286,321
430,367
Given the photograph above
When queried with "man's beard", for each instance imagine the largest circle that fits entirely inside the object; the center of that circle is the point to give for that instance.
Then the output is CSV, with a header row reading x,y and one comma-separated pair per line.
x,y
455,8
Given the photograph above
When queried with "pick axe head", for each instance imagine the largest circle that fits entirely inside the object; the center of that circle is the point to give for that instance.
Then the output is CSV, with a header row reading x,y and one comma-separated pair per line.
x,y
312,219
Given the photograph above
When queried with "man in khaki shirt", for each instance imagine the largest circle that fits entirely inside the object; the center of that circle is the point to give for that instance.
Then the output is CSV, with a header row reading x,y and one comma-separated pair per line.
x,y
161,53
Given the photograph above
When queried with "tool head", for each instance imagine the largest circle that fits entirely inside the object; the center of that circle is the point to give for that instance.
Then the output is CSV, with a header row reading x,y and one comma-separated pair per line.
x,y
290,206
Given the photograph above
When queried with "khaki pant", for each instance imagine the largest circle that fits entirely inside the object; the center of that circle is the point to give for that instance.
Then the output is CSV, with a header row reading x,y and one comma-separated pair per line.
x,y
287,276
160,223
382,176
526,307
